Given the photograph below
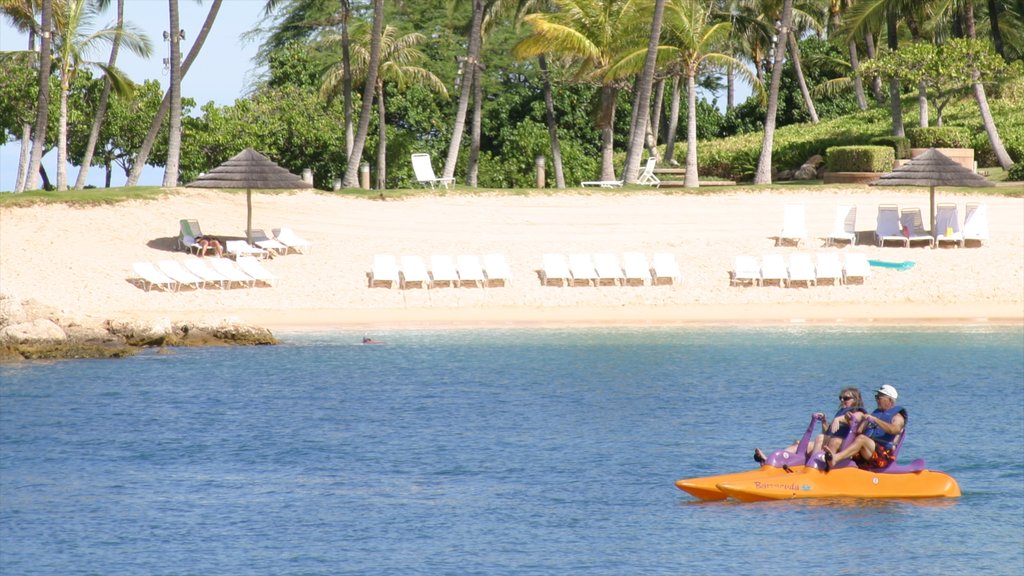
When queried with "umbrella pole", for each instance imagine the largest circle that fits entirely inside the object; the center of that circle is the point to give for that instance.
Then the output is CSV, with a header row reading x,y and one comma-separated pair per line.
x,y
248,215
931,213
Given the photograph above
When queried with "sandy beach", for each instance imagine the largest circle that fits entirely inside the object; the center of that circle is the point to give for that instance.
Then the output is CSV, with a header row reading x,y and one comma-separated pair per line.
x,y
80,259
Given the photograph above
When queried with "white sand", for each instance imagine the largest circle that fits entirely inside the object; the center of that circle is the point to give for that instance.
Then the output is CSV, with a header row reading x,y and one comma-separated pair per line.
x,y
79,259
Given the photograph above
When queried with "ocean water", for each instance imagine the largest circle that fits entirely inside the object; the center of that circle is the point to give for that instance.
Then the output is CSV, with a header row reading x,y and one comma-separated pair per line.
x,y
500,452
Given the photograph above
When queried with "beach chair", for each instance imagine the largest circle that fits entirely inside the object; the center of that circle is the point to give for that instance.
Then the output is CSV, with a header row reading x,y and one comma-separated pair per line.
x,y
198,267
845,226
236,248
471,273
261,240
179,274
947,225
794,227
635,269
773,269
647,176
666,269
828,267
497,270
609,273
292,240
801,269
252,267
913,227
975,223
188,232
443,271
887,226
555,269
151,278
384,271
746,272
414,273
425,172
856,267
232,272
581,266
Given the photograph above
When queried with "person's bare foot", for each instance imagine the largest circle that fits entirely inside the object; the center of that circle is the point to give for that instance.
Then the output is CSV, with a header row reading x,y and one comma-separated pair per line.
x,y
759,456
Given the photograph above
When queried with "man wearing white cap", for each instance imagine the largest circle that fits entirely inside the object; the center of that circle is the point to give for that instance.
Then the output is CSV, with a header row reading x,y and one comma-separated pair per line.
x,y
873,446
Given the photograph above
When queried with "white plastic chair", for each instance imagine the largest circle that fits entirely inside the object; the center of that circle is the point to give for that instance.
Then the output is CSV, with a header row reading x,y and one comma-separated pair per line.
x,y
647,177
828,267
773,269
254,269
425,172
636,271
384,271
911,220
976,222
153,278
947,225
746,271
801,269
666,269
845,226
198,267
856,266
183,277
293,241
794,227
232,272
414,272
497,270
887,226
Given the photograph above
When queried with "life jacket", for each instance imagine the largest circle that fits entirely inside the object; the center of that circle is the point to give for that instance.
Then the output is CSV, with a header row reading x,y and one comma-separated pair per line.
x,y
844,428
881,436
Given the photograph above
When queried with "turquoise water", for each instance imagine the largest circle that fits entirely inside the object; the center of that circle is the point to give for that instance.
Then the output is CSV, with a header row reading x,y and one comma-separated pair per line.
x,y
514,452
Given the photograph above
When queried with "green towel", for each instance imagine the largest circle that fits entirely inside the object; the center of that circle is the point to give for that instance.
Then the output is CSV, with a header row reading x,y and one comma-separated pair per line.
x,y
907,265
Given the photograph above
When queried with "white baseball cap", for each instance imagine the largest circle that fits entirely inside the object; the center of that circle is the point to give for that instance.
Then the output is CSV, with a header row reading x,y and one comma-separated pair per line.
x,y
888,390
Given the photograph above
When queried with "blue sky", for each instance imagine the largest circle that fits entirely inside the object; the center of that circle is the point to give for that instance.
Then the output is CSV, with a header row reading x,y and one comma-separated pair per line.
x,y
222,73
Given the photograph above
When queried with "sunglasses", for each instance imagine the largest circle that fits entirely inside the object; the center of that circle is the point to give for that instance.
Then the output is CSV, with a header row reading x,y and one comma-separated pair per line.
x,y
845,398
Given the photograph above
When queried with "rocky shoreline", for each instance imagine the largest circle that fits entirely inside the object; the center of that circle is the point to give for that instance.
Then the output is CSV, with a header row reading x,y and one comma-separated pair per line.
x,y
30,330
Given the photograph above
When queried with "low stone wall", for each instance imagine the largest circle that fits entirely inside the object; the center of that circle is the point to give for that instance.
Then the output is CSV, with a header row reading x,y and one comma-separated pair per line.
x,y
31,330
850,177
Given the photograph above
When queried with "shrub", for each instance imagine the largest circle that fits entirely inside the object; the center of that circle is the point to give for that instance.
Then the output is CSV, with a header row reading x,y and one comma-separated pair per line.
x,y
899,144
940,137
860,158
1016,172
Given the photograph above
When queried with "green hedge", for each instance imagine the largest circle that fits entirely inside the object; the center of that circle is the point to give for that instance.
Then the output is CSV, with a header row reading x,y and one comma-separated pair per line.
x,y
899,144
860,158
940,137
1016,173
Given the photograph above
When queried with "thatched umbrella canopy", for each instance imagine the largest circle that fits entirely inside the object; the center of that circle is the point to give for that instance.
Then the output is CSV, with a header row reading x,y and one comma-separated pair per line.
x,y
931,169
249,170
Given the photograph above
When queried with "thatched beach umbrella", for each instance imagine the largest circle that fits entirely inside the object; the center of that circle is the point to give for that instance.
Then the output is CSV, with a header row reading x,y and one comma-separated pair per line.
x,y
249,170
931,169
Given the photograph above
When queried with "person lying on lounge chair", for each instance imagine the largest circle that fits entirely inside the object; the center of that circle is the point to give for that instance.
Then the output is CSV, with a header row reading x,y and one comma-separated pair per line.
x,y
873,448
208,241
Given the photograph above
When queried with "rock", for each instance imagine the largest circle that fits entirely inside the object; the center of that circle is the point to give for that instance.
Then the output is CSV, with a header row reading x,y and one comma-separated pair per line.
x,y
783,175
36,331
806,172
222,333
140,332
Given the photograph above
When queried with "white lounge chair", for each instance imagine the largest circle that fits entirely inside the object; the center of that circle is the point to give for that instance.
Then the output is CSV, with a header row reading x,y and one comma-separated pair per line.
x,y
794,227
180,275
845,226
887,226
414,273
975,222
188,232
384,271
425,172
947,225
801,269
773,269
555,269
261,240
911,220
471,273
198,267
856,267
253,268
828,267
647,176
609,273
636,271
581,266
292,240
232,272
666,269
236,248
746,271
153,278
602,183
497,269
443,270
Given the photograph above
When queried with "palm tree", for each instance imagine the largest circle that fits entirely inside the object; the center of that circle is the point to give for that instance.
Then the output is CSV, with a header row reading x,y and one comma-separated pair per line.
x,y
43,102
158,119
642,102
174,119
22,14
73,43
372,71
469,68
764,162
399,57
979,96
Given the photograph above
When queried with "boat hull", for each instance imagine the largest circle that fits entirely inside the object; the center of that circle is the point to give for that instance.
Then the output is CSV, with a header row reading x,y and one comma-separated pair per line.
x,y
706,487
840,483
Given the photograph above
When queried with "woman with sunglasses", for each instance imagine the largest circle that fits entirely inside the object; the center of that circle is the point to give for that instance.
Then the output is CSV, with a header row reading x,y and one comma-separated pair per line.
x,y
832,431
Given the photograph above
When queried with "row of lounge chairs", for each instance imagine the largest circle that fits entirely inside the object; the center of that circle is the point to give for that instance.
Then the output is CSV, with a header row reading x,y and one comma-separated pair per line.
x,y
171,275
801,268
904,226
603,269
463,270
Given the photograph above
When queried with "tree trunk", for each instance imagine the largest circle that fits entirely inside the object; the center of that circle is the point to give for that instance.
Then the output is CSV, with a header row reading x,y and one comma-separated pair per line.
x,y
154,128
373,68
763,175
994,8
876,80
549,113
43,101
979,96
922,105
795,51
473,166
895,105
858,82
673,123
643,98
469,70
62,136
659,98
606,124
730,88
101,109
174,118
346,74
26,150
690,179
381,140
